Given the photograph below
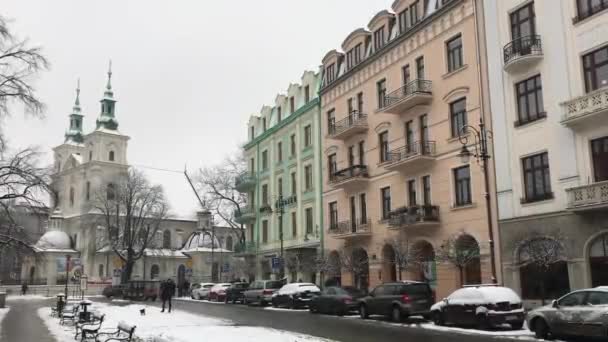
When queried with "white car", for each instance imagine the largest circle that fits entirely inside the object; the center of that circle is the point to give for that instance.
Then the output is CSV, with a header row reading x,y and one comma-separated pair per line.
x,y
201,290
480,305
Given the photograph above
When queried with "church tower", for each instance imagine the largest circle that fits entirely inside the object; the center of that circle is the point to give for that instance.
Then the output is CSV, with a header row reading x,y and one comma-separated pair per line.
x,y
107,118
74,133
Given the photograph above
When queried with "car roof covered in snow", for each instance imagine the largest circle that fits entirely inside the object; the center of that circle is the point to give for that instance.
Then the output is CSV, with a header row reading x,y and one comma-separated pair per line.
x,y
484,295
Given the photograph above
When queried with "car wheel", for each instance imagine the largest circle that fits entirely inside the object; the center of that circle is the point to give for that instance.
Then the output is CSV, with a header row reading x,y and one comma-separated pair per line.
x,y
226,300
274,303
517,325
437,317
542,330
312,309
363,311
396,315
245,301
292,304
263,303
482,322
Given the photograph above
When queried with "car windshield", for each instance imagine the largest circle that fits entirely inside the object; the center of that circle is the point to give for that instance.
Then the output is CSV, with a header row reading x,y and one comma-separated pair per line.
x,y
414,289
240,286
352,291
274,284
208,286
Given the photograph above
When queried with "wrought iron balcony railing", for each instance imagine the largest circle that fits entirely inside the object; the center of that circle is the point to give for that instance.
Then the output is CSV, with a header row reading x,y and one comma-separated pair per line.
x,y
412,215
355,171
412,88
245,182
418,148
348,227
355,121
522,47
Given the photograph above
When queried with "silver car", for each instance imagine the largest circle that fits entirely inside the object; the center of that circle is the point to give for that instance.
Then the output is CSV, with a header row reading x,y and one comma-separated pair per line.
x,y
581,313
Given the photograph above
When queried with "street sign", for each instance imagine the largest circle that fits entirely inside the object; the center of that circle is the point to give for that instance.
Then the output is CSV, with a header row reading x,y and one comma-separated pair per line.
x,y
83,282
276,263
226,268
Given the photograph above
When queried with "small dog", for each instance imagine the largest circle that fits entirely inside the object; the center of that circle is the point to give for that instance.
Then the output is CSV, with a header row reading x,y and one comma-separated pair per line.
x,y
142,312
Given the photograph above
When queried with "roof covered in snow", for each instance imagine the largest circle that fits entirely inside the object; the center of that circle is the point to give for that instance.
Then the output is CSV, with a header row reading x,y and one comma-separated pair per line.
x,y
54,240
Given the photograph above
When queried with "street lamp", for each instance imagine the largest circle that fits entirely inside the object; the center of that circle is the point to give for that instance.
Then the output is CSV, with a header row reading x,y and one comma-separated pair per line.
x,y
280,208
482,155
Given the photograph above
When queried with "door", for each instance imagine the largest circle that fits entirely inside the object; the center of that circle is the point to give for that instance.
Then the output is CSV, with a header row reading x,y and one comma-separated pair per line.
x,y
594,314
374,299
567,318
328,300
181,279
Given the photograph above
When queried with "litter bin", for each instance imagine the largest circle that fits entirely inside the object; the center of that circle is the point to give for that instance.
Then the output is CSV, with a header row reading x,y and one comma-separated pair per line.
x,y
2,299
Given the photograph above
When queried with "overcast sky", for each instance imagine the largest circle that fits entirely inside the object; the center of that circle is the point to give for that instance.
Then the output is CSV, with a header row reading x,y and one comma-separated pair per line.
x,y
186,74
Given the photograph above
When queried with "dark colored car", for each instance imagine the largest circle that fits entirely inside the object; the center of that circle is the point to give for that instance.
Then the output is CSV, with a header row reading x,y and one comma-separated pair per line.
x,y
218,292
112,291
482,306
582,313
398,300
295,295
235,292
141,290
336,300
261,291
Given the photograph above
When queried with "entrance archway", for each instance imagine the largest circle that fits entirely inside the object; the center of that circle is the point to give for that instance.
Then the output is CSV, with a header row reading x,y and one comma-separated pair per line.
x,y
468,248
360,268
598,261
425,256
389,266
181,278
333,269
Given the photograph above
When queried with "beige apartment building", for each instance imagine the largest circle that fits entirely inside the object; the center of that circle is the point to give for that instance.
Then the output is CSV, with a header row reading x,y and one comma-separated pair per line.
x,y
394,99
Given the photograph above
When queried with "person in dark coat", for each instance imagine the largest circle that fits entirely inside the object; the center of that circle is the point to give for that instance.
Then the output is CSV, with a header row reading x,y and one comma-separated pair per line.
x,y
167,290
24,288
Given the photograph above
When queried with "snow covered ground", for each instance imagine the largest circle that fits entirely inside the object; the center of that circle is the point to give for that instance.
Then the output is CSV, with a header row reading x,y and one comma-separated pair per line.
x,y
178,326
3,313
26,297
188,299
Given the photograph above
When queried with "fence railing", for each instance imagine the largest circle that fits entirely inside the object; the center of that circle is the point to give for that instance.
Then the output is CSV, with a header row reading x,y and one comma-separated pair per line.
x,y
350,227
417,86
354,119
522,47
418,148
588,195
348,173
414,214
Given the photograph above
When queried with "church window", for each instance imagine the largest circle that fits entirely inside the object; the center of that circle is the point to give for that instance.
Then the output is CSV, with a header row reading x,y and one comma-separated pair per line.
x,y
88,191
167,239
71,197
111,156
154,272
229,243
110,192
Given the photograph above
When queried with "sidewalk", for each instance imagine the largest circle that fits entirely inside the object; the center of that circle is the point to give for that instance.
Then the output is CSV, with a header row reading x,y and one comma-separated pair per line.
x,y
22,323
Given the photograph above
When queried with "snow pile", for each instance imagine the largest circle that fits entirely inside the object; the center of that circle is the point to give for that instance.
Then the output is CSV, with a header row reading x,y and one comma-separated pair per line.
x,y
177,326
3,313
26,297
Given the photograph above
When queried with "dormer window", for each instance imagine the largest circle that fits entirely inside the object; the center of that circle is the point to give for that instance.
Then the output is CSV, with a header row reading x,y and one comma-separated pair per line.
x,y
90,155
330,73
264,124
279,114
306,94
292,104
404,23
414,13
353,56
252,129
379,39
111,156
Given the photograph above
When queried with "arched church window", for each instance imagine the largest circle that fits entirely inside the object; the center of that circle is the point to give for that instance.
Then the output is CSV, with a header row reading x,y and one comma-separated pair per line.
x,y
71,197
229,243
90,155
167,239
154,272
111,156
88,191
110,192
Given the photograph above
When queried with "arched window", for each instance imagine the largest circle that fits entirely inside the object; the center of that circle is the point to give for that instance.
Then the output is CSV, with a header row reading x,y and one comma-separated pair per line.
x,y
110,192
111,156
229,243
167,239
90,155
154,272
88,191
100,270
71,197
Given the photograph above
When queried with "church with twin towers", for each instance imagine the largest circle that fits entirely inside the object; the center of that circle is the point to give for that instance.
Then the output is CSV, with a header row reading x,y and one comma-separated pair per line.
x,y
84,165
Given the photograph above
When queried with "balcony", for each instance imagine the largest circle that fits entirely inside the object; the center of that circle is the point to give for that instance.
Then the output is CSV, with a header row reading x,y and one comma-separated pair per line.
x,y
286,201
246,215
349,230
414,216
353,124
245,182
587,108
522,53
352,176
416,92
249,248
414,155
588,197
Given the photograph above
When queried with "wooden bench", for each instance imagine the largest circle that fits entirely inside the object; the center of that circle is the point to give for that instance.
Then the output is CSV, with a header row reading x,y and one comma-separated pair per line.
x,y
123,332
68,314
91,328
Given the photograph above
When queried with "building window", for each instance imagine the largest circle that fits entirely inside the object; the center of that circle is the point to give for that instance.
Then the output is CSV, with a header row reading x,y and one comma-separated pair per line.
x,y
454,48
331,121
111,156
252,132
363,208
426,190
265,194
292,105
110,192
309,220
362,152
599,155
587,8
353,214
386,202
229,243
379,40
279,114
381,90
405,72
100,272
263,124
265,231
293,183
280,151
420,67
409,136
252,165
424,131
403,21
167,239
292,139
458,116
351,109
351,155
360,102
154,272
88,189
71,197
462,186
307,135
330,73
529,100
90,155
265,160
523,23
308,177
411,192
383,142
353,56
537,180
595,66
306,94
280,187
414,13
333,215
294,224
332,165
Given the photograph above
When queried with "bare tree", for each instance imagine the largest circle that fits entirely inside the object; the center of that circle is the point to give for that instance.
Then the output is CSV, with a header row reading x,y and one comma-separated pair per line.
x,y
216,184
541,252
132,211
407,256
355,263
301,261
459,250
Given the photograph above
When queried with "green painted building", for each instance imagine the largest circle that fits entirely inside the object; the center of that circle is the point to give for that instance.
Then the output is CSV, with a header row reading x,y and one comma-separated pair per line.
x,y
283,184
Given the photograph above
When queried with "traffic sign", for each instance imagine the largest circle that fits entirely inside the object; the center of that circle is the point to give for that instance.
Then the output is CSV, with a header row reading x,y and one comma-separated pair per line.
x,y
226,268
276,263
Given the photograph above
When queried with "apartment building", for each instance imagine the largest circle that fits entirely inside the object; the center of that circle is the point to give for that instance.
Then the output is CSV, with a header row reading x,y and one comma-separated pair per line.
x,y
283,183
548,67
395,99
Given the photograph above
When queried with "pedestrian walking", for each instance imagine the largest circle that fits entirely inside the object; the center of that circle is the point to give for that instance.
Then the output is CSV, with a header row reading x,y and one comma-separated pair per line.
x,y
167,290
24,288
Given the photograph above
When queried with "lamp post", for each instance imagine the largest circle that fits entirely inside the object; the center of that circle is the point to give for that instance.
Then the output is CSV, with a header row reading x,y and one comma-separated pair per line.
x,y
67,275
482,155
280,208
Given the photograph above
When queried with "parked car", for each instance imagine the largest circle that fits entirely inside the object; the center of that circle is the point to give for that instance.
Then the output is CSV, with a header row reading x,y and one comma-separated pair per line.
x,y
201,291
141,290
295,295
336,300
236,292
218,292
582,313
112,291
397,300
481,306
261,291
